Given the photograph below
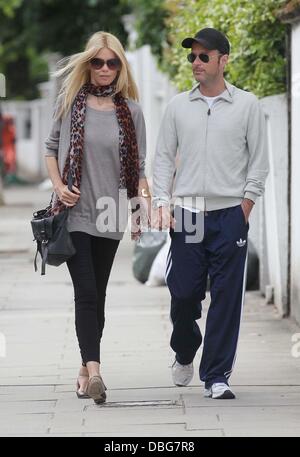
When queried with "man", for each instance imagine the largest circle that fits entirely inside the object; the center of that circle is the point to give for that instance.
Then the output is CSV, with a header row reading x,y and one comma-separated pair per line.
x,y
217,132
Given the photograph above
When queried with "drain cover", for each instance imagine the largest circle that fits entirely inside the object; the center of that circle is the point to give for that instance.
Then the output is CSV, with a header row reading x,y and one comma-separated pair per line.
x,y
135,404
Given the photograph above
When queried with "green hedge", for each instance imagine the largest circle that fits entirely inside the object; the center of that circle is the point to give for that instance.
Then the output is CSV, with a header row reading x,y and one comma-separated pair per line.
x,y
258,41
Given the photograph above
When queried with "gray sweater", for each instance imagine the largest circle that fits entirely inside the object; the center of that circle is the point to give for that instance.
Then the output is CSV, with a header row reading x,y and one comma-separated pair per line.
x,y
222,153
98,208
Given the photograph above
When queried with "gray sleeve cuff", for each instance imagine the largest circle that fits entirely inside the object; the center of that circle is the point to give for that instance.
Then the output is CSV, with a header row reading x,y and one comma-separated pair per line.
x,y
51,153
251,196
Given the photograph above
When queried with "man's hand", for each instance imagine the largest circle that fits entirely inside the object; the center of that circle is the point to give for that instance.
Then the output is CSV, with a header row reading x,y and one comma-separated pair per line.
x,y
162,218
247,206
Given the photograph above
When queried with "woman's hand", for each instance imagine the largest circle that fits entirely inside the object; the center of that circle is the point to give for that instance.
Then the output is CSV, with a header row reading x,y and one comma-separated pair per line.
x,y
144,195
66,197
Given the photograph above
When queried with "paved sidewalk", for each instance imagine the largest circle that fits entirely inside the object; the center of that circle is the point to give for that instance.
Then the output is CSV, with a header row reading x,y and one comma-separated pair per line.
x,y
37,376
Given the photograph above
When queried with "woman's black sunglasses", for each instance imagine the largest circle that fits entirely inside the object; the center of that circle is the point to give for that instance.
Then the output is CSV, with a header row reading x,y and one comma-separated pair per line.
x,y
113,64
203,57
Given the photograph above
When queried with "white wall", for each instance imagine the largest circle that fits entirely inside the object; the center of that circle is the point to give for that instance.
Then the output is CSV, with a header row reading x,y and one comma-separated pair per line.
x,y
274,207
295,174
32,120
155,92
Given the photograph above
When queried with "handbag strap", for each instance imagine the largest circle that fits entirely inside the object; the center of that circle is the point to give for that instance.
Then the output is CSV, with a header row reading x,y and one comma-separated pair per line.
x,y
44,253
70,181
44,258
70,186
35,258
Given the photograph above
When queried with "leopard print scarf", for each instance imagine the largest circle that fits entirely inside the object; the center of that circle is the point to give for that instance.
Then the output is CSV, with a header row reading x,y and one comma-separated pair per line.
x,y
128,148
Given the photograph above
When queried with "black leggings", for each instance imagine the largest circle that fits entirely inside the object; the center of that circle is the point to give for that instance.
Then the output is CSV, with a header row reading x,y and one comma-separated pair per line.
x,y
90,269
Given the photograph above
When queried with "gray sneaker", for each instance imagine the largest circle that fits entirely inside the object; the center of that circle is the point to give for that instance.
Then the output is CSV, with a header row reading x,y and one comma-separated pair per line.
x,y
219,390
182,374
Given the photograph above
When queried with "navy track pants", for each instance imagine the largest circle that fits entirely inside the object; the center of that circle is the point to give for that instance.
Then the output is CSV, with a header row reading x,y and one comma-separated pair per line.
x,y
221,256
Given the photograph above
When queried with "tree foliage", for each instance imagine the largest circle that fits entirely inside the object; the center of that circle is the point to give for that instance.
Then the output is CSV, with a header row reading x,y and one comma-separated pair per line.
x,y
31,29
8,6
150,24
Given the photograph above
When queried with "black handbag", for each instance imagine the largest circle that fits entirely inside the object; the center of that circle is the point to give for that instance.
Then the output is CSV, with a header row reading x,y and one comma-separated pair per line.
x,y
54,243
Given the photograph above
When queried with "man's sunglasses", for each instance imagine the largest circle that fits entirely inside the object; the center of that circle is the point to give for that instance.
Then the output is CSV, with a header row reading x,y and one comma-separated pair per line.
x,y
203,57
113,64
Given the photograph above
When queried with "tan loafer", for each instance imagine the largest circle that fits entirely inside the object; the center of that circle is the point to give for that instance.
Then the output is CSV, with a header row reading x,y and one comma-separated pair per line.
x,y
96,389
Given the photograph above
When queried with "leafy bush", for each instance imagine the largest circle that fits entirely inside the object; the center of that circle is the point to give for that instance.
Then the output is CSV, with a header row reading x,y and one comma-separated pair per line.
x,y
257,37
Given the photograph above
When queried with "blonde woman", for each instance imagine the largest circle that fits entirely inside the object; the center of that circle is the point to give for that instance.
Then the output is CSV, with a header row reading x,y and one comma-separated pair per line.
x,y
98,138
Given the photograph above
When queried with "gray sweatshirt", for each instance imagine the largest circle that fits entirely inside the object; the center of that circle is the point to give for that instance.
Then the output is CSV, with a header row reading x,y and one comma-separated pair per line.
x,y
221,151
92,213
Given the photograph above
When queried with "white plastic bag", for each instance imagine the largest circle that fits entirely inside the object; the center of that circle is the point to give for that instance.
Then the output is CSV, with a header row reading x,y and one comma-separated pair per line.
x,y
158,268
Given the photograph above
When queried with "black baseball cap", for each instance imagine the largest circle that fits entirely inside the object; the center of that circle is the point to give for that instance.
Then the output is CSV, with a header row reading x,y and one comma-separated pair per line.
x,y
209,38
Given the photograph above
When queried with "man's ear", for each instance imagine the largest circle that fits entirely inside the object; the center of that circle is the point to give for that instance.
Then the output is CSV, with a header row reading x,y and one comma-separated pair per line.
x,y
224,59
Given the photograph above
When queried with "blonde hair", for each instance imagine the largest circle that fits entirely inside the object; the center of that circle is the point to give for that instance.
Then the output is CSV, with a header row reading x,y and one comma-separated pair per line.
x,y
76,71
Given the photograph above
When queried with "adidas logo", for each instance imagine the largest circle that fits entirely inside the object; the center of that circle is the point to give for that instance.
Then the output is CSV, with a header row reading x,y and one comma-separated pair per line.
x,y
241,243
